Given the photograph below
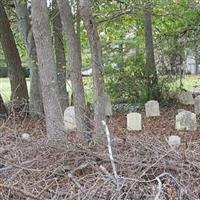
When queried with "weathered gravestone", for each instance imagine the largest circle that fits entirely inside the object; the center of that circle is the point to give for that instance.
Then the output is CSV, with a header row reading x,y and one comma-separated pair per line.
x,y
186,120
186,98
69,118
108,106
197,105
152,108
174,141
134,121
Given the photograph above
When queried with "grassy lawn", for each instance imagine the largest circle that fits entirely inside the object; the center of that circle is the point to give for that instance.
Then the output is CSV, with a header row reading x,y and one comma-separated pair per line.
x,y
5,88
189,82
6,91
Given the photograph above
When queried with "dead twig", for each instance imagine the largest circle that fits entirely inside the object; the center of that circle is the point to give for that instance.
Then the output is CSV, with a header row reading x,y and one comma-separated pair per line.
x,y
22,192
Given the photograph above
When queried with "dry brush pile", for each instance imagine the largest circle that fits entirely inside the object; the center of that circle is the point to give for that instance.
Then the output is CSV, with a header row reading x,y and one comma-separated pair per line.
x,y
142,167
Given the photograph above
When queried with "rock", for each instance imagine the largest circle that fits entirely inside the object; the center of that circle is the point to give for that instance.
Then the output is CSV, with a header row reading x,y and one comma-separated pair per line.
x,y
180,110
197,105
174,141
186,120
152,108
108,108
195,91
134,122
26,137
69,119
186,98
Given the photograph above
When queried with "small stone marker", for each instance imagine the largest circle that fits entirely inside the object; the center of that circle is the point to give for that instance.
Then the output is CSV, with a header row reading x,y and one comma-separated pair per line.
x,y
174,141
26,137
186,98
186,120
134,121
108,108
69,118
197,105
152,108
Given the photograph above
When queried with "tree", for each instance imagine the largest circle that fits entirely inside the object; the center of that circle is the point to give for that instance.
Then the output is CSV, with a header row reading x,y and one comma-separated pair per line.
x,y
75,63
150,66
47,70
3,109
35,103
19,90
96,62
59,56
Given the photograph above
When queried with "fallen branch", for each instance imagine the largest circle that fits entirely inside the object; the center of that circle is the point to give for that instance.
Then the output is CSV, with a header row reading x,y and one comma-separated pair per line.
x,y
111,156
24,193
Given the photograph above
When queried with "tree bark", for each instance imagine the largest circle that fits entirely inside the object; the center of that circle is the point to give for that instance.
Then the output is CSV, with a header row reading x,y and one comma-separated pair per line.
x,y
19,90
75,62
47,70
96,62
60,56
196,56
3,109
35,104
150,66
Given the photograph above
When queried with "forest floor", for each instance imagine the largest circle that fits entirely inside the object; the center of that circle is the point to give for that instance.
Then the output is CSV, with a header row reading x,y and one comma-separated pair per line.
x,y
145,166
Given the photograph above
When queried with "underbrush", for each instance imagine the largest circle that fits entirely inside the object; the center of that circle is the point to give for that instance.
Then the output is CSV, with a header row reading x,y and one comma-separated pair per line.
x,y
144,167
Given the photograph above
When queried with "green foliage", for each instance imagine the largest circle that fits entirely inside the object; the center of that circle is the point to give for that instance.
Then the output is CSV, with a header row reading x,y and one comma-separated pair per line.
x,y
127,82
26,71
176,27
3,72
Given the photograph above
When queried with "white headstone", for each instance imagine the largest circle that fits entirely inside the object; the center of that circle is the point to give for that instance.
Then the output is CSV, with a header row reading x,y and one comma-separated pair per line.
x,y
186,98
152,108
134,121
174,141
186,120
108,108
69,118
197,105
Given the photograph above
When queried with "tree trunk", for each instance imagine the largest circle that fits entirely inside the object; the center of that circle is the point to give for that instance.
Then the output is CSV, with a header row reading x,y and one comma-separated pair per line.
x,y
96,62
150,67
3,109
75,62
47,70
19,90
35,104
78,22
196,56
60,56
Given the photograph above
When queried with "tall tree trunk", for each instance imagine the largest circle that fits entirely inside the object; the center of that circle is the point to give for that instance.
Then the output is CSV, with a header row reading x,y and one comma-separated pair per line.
x,y
47,70
196,56
60,56
96,61
78,22
75,62
35,104
19,90
3,109
150,67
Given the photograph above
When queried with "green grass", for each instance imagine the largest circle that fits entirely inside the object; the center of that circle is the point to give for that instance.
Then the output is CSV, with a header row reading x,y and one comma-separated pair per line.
x,y
5,90
189,81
